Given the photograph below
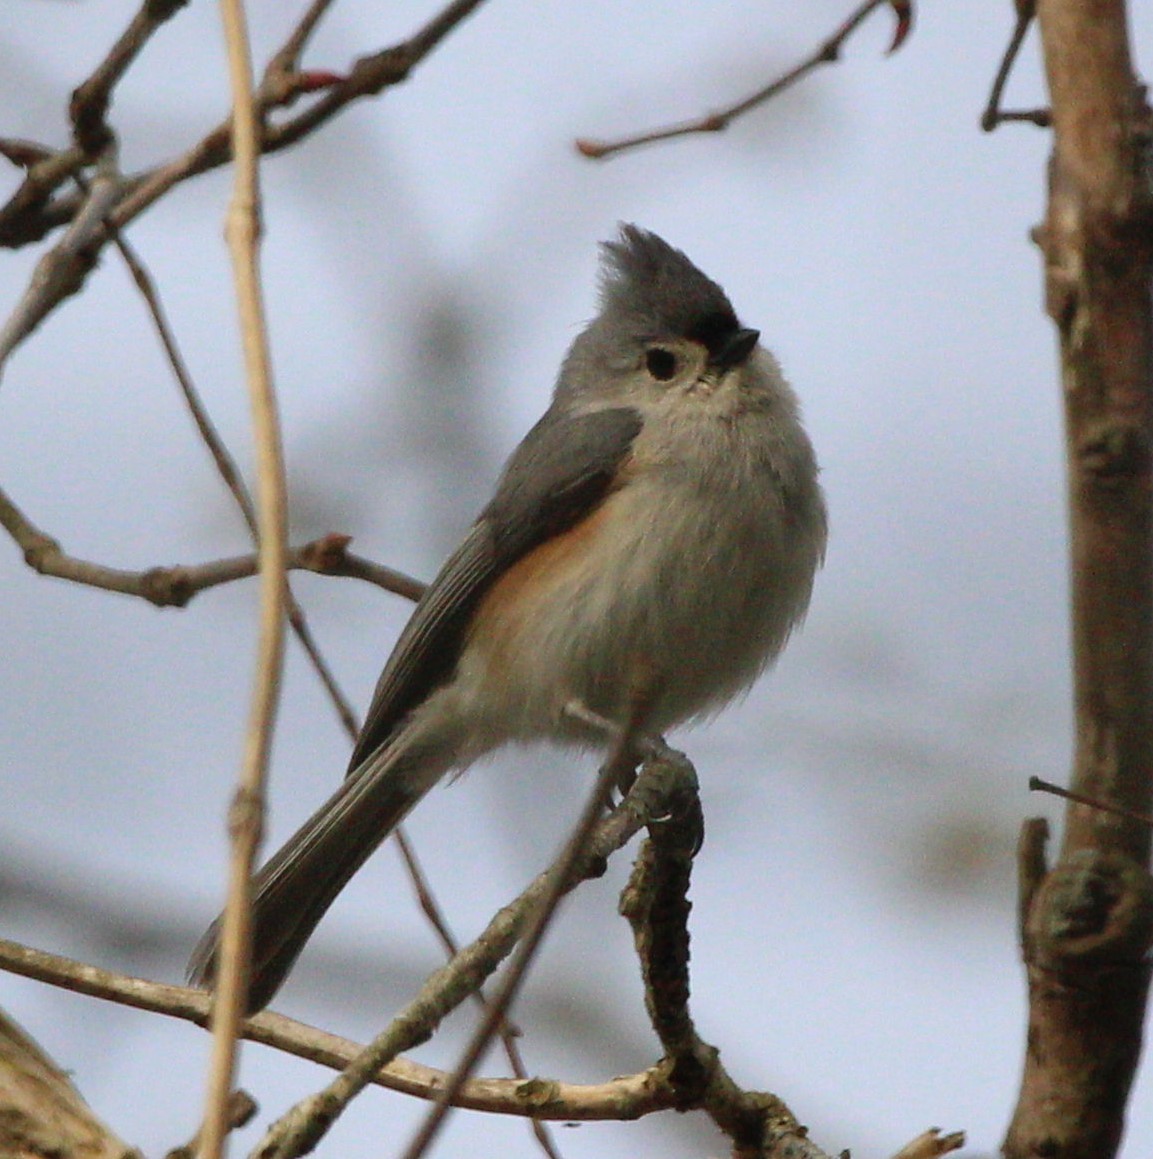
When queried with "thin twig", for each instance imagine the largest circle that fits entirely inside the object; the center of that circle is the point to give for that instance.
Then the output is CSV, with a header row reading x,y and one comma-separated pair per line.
x,y
993,114
331,547
656,904
87,108
368,77
91,99
630,1096
826,53
63,270
429,906
247,814
226,465
175,586
28,215
1036,785
283,68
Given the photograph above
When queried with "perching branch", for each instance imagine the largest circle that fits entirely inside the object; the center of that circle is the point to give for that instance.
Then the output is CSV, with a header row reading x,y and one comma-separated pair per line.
x,y
299,1131
826,53
657,907
654,794
619,768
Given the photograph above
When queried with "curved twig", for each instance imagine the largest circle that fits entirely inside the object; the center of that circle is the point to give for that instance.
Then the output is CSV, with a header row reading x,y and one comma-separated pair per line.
x,y
827,52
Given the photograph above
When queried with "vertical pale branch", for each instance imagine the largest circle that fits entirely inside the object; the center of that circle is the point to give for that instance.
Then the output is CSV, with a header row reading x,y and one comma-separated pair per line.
x,y
1086,924
243,229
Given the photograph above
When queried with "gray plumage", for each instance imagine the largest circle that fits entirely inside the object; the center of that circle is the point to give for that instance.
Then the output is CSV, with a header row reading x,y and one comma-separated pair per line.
x,y
652,540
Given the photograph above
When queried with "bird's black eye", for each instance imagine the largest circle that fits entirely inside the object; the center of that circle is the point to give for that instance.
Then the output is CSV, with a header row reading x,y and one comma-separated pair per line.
x,y
661,363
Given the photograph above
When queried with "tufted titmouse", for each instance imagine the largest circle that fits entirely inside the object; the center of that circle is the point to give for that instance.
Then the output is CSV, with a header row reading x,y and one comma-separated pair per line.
x,y
651,544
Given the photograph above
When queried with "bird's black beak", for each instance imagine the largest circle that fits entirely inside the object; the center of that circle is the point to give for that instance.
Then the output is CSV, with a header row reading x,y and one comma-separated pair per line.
x,y
735,349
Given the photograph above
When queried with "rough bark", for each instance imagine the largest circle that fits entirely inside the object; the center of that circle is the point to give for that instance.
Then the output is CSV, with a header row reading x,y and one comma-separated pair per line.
x,y
1086,924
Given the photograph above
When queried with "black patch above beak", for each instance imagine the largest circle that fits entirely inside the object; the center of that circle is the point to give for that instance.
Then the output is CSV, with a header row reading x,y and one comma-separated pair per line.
x,y
734,349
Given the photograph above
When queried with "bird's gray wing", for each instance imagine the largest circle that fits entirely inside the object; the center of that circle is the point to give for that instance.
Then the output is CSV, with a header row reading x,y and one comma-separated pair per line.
x,y
560,473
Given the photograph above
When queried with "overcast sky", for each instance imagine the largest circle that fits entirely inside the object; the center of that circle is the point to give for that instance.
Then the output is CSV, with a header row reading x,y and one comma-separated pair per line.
x,y
428,258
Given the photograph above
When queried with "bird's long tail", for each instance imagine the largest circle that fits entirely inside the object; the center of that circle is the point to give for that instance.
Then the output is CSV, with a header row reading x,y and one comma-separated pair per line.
x,y
294,889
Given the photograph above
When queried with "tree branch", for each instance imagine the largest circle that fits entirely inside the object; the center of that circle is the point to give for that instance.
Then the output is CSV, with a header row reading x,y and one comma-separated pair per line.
x,y
29,214
618,769
298,1132
175,586
1089,921
629,1097
828,52
246,815
994,115
43,1113
446,989
63,270
656,904
90,101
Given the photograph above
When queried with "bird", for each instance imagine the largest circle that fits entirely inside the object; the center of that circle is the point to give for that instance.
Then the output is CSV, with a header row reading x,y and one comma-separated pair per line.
x,y
649,548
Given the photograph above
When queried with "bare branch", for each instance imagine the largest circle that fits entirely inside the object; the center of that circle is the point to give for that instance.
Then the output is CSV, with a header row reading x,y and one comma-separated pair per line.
x,y
655,903
62,271
90,101
826,53
631,1096
43,1113
28,215
174,587
225,464
1088,925
368,77
371,74
246,816
285,61
435,917
994,115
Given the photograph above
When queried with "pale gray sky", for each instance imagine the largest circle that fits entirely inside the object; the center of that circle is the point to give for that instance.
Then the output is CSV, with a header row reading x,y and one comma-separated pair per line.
x,y
854,947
